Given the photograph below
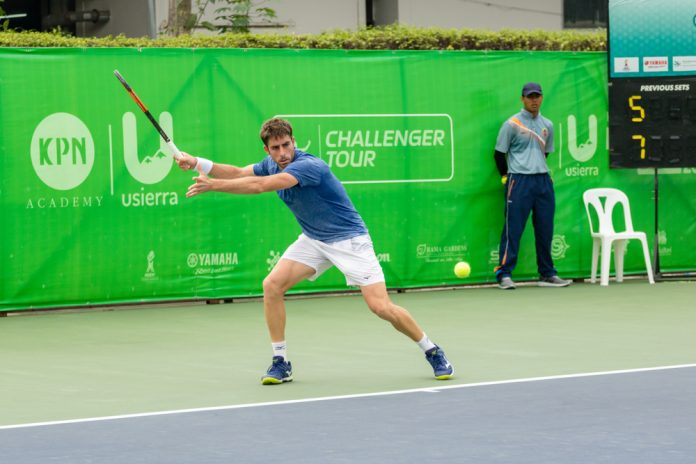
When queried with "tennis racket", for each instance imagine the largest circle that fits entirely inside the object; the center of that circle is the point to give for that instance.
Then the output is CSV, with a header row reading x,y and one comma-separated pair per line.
x,y
175,151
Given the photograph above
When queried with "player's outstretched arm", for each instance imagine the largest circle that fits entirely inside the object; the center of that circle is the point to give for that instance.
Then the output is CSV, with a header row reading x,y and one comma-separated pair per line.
x,y
221,171
242,185
228,171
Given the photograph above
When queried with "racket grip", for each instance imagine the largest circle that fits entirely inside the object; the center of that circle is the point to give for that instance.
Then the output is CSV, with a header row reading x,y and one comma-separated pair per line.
x,y
175,151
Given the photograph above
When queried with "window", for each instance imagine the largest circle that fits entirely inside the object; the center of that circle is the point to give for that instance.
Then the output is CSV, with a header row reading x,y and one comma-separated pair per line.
x,y
585,14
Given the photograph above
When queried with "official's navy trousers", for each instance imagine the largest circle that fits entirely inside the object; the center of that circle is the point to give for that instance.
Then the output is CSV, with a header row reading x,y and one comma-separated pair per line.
x,y
525,193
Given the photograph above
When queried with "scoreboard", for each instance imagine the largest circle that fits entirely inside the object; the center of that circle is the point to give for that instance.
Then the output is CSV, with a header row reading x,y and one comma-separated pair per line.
x,y
652,83
652,122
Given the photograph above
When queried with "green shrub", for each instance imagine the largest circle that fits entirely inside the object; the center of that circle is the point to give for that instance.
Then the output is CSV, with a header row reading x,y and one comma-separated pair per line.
x,y
381,38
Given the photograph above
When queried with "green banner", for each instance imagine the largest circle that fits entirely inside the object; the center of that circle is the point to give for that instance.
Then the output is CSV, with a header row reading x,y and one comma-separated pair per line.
x,y
94,209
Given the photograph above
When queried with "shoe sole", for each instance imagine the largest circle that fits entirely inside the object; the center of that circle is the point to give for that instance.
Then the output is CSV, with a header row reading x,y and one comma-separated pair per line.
x,y
274,381
512,287
445,376
547,284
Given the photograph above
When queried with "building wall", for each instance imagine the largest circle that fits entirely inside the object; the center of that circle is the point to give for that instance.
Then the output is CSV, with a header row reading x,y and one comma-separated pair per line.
x,y
136,18
482,14
132,18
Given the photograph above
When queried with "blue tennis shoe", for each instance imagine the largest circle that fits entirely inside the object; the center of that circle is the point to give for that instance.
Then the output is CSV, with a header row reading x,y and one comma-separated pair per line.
x,y
279,372
442,368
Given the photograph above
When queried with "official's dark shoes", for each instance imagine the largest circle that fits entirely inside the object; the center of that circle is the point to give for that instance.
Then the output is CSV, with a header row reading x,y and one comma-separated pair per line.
x,y
553,281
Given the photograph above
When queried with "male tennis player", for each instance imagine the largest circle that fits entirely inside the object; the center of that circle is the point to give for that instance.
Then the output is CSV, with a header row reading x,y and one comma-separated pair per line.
x,y
333,234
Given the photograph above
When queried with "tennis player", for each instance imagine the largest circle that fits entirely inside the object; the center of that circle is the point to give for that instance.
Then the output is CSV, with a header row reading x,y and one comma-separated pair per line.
x,y
333,234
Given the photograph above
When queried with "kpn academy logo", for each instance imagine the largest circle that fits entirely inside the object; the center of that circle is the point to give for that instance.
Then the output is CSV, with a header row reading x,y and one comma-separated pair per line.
x,y
63,156
62,151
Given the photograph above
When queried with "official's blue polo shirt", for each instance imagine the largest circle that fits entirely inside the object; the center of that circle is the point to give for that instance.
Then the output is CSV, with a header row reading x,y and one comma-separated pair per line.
x,y
525,139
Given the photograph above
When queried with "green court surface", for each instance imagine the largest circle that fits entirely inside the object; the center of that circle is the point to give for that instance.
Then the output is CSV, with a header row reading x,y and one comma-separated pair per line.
x,y
69,365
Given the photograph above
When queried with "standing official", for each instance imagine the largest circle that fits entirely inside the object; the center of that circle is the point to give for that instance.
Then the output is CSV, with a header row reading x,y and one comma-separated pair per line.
x,y
524,142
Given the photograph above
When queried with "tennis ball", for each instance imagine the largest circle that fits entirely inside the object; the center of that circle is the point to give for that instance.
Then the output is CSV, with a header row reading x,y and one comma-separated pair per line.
x,y
462,269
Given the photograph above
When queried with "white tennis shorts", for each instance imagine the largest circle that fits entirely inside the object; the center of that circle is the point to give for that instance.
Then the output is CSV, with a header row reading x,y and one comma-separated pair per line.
x,y
354,257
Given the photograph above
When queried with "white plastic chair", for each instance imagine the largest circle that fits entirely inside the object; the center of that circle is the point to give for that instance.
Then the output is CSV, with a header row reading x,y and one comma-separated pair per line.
x,y
606,236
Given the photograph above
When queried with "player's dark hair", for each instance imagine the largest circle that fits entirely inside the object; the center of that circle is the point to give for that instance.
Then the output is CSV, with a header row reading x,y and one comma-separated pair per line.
x,y
274,128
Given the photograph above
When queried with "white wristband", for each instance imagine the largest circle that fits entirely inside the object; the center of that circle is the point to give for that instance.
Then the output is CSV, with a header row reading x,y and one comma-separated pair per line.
x,y
204,165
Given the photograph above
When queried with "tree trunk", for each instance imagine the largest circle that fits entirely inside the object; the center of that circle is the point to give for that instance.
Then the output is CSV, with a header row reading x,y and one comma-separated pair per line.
x,y
179,18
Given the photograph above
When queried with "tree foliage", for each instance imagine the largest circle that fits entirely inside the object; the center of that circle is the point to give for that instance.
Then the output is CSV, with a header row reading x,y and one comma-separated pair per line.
x,y
235,16
4,24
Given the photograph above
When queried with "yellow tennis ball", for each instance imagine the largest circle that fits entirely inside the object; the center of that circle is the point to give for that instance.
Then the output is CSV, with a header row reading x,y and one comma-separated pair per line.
x,y
462,269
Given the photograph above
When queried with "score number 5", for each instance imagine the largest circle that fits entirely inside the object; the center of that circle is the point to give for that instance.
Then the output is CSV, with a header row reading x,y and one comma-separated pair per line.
x,y
634,107
632,104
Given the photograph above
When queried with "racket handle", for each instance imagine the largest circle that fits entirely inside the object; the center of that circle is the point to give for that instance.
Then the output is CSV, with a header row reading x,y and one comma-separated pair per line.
x,y
175,151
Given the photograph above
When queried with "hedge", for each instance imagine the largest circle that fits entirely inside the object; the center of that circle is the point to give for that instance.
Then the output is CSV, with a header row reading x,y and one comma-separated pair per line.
x,y
380,38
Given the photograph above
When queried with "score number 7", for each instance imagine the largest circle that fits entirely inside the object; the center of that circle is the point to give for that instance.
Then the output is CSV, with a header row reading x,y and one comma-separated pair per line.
x,y
634,107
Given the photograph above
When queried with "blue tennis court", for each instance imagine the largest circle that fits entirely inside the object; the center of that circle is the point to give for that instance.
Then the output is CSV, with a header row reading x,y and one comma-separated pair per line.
x,y
621,417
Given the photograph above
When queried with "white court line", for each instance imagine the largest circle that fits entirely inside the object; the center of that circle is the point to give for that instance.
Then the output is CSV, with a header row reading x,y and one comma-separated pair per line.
x,y
360,395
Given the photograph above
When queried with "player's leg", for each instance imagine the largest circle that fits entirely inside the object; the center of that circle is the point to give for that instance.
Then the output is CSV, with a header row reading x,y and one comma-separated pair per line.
x,y
356,259
378,301
302,260
284,276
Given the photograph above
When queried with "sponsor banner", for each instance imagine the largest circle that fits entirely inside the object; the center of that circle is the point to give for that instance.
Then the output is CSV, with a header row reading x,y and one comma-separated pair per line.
x,y
653,33
379,148
441,253
629,64
684,63
655,64
94,209
212,263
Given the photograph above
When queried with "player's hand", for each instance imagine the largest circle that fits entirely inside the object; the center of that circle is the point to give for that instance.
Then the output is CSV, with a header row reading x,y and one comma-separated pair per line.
x,y
187,162
203,184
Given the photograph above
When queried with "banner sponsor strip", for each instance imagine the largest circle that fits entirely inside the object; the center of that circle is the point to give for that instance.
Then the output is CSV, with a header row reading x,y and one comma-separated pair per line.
x,y
94,208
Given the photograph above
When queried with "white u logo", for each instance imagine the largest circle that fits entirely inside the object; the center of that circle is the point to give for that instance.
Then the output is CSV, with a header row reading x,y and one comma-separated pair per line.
x,y
152,169
584,151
